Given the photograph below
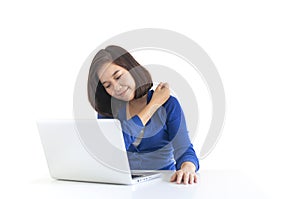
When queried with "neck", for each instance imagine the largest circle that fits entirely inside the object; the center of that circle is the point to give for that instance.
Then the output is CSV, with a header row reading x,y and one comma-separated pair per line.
x,y
139,101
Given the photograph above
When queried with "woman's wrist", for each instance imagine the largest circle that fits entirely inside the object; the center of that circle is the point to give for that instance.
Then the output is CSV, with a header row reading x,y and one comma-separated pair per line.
x,y
188,166
148,112
153,106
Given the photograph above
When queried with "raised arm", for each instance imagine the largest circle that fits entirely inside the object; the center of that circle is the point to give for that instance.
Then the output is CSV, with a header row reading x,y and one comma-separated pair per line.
x,y
133,126
159,97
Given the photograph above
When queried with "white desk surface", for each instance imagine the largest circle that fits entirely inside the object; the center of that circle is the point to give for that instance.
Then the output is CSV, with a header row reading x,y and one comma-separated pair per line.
x,y
211,184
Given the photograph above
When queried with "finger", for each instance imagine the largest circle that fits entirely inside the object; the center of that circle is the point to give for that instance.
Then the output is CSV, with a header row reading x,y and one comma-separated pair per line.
x,y
195,178
186,178
163,85
179,177
173,177
191,180
160,84
166,85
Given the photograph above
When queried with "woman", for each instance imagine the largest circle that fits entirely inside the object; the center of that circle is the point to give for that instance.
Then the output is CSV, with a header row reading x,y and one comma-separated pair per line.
x,y
153,124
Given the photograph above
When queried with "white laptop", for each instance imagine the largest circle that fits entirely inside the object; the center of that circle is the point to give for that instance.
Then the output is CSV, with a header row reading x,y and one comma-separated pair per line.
x,y
88,150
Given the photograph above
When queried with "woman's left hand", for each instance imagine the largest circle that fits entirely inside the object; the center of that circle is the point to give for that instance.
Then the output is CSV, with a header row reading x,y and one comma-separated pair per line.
x,y
186,174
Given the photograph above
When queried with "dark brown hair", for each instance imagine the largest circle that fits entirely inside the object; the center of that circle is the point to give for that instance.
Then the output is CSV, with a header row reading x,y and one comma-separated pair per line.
x,y
100,100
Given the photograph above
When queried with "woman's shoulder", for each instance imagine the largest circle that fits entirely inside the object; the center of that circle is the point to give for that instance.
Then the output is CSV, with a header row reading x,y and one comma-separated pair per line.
x,y
172,102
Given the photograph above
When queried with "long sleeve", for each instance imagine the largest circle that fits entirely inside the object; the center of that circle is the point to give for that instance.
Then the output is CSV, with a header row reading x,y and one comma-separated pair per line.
x,y
178,134
165,143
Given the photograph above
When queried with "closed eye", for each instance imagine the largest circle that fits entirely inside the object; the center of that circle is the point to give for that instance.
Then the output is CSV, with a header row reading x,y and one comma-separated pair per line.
x,y
118,77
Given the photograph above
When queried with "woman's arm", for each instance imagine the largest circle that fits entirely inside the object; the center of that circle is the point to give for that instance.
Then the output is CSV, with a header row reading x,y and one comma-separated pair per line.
x,y
186,160
159,97
178,134
132,127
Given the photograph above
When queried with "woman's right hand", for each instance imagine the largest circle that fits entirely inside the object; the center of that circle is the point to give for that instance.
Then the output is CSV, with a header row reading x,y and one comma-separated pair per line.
x,y
159,97
161,94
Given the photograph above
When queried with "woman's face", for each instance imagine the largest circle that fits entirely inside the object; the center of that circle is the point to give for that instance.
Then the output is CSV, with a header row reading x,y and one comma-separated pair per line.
x,y
117,81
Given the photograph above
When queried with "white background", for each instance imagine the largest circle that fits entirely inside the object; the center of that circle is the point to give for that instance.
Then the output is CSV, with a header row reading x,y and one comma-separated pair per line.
x,y
254,45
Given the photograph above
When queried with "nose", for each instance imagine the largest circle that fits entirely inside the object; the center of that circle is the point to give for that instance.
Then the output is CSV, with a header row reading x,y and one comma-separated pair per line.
x,y
117,87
